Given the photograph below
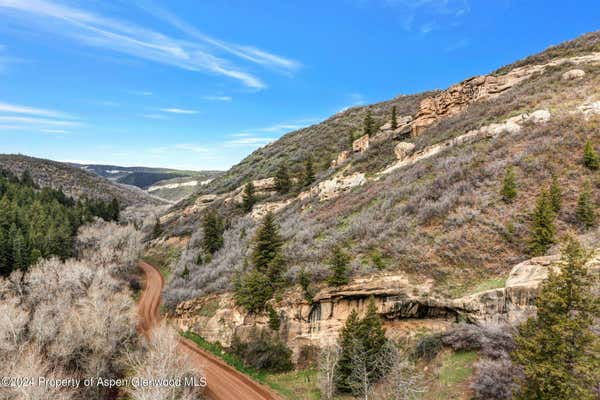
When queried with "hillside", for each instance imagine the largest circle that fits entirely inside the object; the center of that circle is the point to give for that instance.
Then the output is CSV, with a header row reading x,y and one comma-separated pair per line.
x,y
74,181
426,204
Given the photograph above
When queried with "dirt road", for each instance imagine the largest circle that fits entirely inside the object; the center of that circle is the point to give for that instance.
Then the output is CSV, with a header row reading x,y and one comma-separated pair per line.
x,y
224,382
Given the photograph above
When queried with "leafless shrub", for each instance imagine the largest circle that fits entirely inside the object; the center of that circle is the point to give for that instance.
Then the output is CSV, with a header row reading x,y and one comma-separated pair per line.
x,y
402,380
161,360
494,380
493,340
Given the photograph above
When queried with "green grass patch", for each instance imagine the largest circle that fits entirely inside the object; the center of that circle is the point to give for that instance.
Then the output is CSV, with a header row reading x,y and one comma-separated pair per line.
x,y
162,257
457,367
464,289
294,385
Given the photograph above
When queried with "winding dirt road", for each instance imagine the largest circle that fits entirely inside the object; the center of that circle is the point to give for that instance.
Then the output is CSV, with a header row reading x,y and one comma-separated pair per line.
x,y
224,382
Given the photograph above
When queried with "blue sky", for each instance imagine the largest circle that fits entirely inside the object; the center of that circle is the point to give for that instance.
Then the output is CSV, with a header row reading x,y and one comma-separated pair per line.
x,y
201,84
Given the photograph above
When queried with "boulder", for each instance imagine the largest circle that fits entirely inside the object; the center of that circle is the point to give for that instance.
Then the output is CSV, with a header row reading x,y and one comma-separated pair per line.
x,y
403,150
341,158
361,144
590,108
574,74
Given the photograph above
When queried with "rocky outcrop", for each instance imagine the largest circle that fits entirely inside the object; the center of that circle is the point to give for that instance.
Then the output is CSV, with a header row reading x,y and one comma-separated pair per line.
x,y
260,210
361,144
341,158
590,108
402,129
456,98
403,303
511,125
515,302
403,150
573,75
331,188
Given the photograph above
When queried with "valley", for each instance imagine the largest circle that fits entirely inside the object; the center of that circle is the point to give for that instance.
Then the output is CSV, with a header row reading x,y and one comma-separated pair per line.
x,y
438,245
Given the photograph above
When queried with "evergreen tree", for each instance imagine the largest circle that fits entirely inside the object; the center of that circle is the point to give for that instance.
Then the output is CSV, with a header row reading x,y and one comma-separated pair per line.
x,y
338,265
282,179
372,334
585,211
368,334
348,336
368,124
253,291
309,172
509,186
555,195
248,197
394,118
557,349
157,229
212,225
115,209
590,157
19,248
267,254
543,230
274,321
257,286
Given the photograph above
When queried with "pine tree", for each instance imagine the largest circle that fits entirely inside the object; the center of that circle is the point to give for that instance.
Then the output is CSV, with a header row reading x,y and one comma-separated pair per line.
x,y
394,119
369,124
248,197
555,195
267,254
372,334
585,211
509,186
543,230
19,248
557,349
253,291
338,265
274,321
157,229
368,334
212,225
309,172
282,179
257,286
115,209
348,335
590,157
351,138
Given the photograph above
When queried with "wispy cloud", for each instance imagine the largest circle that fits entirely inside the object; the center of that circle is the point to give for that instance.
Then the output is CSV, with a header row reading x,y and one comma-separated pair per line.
x,y
175,110
37,121
459,44
16,117
429,15
54,131
40,112
197,52
154,116
141,92
252,141
246,52
218,98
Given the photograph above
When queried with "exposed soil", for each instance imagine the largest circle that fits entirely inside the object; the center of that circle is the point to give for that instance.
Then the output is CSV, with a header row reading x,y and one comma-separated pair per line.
x,y
224,382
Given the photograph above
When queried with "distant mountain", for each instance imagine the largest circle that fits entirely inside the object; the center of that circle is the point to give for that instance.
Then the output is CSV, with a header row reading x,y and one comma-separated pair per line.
x,y
75,182
169,184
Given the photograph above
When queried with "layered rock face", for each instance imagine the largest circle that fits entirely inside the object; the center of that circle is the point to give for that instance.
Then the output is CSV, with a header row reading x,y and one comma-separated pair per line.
x,y
403,304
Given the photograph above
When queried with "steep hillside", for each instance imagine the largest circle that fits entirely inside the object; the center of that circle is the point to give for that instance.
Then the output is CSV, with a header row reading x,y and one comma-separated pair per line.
x,y
423,200
74,181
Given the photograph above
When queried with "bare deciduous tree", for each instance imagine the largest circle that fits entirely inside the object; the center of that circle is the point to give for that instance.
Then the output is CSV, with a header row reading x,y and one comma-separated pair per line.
x,y
328,360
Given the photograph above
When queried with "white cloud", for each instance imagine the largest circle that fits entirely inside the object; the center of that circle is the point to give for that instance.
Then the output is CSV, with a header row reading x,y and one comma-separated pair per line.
x,y
141,92
429,15
40,112
178,111
54,131
218,98
196,53
245,52
37,121
154,116
250,141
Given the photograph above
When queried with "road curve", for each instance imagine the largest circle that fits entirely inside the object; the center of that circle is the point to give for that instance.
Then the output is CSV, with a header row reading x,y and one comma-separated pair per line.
x,y
224,381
